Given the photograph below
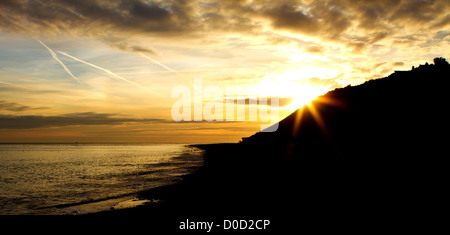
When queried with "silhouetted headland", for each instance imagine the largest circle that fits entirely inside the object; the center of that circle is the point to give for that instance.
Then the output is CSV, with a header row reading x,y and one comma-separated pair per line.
x,y
370,153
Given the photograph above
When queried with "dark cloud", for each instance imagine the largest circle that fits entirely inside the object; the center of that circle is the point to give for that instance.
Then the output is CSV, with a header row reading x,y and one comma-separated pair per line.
x,y
320,18
378,37
107,21
15,107
357,46
127,46
442,23
398,63
315,49
150,12
418,10
339,20
361,43
287,16
437,38
335,18
371,18
282,101
441,35
72,119
378,65
331,20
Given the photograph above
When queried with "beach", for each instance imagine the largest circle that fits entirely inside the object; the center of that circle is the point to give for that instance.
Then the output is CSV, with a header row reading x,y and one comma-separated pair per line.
x,y
245,183
259,182
241,182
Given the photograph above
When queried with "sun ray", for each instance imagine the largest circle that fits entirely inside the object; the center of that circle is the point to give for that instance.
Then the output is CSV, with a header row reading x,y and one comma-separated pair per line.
x,y
318,118
297,122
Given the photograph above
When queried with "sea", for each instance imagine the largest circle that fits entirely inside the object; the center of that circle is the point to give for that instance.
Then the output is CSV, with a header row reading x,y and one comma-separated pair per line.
x,y
65,179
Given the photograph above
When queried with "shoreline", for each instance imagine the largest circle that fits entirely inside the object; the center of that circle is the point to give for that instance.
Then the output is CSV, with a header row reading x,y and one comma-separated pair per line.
x,y
156,196
135,200
162,193
217,191
244,181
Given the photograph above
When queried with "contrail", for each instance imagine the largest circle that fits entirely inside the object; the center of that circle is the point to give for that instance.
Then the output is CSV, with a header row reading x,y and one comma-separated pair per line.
x,y
106,71
60,62
150,58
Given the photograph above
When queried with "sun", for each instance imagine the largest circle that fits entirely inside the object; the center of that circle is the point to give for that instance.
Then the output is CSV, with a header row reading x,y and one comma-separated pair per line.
x,y
297,92
304,94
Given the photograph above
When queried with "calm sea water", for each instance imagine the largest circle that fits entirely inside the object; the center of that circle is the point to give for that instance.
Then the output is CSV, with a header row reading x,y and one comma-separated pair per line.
x,y
70,179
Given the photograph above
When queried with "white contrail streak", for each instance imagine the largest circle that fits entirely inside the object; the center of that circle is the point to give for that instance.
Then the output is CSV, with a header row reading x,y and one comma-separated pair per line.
x,y
105,70
59,61
153,60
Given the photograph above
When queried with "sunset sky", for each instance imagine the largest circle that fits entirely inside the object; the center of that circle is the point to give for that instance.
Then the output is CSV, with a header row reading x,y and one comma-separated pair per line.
x,y
103,71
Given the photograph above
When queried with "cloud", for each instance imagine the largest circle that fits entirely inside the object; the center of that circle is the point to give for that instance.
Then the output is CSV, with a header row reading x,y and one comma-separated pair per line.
x,y
398,64
148,12
96,19
315,49
286,16
442,23
15,107
71,119
282,101
329,20
418,10
129,47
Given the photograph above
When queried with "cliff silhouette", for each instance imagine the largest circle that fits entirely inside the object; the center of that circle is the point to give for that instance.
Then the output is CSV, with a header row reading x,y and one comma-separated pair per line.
x,y
375,149
374,154
397,118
